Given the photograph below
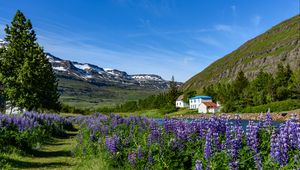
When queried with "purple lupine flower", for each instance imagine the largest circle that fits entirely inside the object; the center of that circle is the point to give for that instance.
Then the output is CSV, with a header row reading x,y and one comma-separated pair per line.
x,y
233,143
198,165
155,133
111,144
279,144
237,120
293,130
253,142
268,120
150,158
275,146
208,144
132,158
140,152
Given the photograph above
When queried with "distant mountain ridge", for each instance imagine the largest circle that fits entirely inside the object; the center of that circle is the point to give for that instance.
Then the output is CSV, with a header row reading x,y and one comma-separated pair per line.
x,y
104,76
85,85
280,44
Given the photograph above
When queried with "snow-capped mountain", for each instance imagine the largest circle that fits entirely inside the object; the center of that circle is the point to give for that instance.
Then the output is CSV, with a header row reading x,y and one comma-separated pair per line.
x,y
104,76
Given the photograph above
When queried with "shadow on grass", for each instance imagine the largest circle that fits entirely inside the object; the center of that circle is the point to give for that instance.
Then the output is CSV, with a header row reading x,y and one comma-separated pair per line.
x,y
48,154
22,164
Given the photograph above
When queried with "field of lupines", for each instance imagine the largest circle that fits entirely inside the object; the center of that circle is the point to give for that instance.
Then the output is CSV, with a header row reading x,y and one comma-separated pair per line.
x,y
215,143
142,143
28,130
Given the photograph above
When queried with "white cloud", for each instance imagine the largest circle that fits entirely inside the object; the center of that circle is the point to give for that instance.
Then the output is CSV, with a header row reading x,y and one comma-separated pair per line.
x,y
210,41
222,27
187,60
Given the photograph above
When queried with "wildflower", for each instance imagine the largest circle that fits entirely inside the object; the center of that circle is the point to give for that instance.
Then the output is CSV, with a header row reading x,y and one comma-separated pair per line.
x,y
198,165
111,144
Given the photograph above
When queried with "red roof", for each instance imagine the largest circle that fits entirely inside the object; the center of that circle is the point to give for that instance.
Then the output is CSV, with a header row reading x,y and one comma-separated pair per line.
x,y
210,104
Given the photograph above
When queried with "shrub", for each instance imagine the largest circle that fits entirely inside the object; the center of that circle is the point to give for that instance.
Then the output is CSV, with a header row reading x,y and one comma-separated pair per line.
x,y
285,105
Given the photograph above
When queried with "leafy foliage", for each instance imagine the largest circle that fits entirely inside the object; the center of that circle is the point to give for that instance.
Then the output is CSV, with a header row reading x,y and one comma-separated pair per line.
x,y
241,94
26,76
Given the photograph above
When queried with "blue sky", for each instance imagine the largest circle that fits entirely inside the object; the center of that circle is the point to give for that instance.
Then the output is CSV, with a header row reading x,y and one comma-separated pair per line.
x,y
164,37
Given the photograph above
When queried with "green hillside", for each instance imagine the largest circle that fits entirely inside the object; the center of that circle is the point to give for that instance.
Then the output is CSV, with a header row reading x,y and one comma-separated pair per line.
x,y
82,94
279,44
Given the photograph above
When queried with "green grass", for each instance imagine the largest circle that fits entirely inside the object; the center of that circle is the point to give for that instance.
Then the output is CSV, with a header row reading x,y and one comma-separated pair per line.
x,y
56,154
285,105
156,113
81,94
278,40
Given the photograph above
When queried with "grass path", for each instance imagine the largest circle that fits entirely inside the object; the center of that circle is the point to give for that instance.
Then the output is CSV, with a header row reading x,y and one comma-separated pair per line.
x,y
53,155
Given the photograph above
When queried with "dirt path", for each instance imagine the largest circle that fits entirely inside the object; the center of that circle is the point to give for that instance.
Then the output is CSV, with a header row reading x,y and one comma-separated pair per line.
x,y
54,155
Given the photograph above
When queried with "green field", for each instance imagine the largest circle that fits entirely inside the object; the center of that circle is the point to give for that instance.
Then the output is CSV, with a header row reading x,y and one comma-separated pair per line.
x,y
81,94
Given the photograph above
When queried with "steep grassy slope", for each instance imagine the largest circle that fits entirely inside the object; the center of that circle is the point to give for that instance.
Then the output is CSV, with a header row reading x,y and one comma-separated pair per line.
x,y
279,44
82,94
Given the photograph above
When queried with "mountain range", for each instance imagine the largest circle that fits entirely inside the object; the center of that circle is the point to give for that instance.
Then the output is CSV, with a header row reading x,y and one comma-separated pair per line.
x,y
104,76
280,44
86,85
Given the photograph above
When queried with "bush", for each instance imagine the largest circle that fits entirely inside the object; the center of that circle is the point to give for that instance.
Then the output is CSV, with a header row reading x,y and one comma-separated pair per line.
x,y
285,105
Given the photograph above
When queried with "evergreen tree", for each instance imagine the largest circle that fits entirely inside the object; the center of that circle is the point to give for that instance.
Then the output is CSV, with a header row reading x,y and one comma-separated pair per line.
x,y
283,78
262,89
283,75
25,73
188,95
173,92
240,83
295,84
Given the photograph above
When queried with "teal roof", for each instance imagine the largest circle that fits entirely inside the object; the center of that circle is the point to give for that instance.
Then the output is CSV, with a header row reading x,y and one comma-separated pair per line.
x,y
201,97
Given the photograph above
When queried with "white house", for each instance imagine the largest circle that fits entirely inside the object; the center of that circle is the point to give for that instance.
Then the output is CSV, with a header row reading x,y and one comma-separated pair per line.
x,y
180,103
208,107
197,100
9,109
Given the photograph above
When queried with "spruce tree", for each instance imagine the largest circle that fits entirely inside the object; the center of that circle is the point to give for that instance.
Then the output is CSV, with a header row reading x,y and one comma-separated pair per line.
x,y
173,92
25,72
240,83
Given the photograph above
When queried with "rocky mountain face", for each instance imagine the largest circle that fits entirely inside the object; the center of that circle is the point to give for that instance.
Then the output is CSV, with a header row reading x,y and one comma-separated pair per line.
x,y
104,76
280,44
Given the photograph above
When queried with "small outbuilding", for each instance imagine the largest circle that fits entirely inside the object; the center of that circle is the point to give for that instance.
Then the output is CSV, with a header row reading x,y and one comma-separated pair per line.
x,y
9,109
180,103
208,107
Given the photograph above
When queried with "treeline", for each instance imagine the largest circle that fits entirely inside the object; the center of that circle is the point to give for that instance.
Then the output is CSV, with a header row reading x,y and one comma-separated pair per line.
x,y
165,102
265,88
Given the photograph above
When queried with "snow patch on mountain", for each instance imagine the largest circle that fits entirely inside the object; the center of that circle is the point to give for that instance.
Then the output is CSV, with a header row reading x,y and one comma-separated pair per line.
x,y
59,68
109,76
82,66
143,77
